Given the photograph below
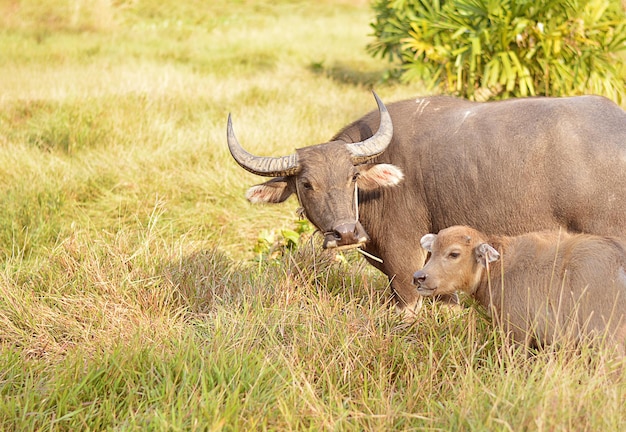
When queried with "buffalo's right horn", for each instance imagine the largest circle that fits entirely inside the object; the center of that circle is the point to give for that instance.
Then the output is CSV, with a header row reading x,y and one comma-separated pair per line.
x,y
263,166
375,145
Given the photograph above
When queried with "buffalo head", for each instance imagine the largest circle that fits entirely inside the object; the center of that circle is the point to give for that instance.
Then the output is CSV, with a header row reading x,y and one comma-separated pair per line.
x,y
326,179
458,257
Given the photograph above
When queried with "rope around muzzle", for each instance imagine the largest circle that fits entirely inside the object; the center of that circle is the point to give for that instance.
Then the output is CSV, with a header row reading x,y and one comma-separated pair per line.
x,y
301,213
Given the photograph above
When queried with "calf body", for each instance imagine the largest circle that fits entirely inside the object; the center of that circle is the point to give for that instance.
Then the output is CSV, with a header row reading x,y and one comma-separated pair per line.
x,y
543,287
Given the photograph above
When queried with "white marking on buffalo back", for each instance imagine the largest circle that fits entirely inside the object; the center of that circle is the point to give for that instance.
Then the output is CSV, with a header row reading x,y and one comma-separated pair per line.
x,y
421,105
465,116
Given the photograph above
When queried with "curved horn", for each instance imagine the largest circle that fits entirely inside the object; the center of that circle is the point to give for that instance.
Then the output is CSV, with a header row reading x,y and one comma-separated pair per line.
x,y
372,147
263,166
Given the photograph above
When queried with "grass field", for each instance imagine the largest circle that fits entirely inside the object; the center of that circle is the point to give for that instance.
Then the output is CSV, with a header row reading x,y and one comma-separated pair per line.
x,y
131,294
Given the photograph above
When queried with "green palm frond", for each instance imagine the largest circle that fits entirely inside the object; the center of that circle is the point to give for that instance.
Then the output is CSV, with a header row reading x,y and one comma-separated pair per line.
x,y
502,48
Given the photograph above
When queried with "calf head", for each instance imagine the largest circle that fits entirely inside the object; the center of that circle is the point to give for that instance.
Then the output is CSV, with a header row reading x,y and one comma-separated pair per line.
x,y
325,178
458,257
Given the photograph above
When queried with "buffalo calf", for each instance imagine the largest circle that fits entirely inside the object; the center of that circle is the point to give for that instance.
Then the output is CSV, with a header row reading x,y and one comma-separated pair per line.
x,y
542,287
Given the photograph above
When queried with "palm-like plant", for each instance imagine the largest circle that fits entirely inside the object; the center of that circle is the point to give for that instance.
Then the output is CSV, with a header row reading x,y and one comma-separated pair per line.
x,y
486,49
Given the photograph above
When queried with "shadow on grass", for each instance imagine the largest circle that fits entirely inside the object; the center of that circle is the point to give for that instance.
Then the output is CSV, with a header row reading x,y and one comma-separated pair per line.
x,y
352,75
207,278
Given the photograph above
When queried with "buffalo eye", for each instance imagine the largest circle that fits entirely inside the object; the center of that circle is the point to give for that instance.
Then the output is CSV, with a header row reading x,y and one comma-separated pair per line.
x,y
355,177
307,185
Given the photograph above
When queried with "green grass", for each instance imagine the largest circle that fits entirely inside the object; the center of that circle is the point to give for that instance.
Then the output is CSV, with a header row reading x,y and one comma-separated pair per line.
x,y
130,294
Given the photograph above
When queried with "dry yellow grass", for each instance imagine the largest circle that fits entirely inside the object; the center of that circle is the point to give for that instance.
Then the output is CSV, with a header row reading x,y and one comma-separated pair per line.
x,y
130,297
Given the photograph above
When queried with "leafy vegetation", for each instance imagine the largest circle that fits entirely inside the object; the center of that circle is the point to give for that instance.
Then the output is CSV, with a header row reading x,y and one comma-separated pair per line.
x,y
273,246
131,296
484,49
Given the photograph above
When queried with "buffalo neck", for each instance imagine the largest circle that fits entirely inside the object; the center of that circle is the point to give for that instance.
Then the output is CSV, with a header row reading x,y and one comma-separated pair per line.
x,y
489,288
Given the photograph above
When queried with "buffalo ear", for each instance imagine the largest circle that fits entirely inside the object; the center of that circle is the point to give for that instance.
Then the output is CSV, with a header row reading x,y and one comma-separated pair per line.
x,y
274,191
485,253
373,176
427,241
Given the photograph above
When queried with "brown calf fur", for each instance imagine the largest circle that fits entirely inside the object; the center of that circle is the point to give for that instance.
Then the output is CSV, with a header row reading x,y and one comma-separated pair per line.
x,y
543,287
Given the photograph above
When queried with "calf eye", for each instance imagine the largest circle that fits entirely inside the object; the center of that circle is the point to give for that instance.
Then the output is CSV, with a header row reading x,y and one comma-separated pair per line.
x,y
454,255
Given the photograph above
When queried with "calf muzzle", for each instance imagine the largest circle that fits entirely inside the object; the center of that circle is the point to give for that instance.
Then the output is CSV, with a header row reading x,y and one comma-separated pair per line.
x,y
419,280
419,277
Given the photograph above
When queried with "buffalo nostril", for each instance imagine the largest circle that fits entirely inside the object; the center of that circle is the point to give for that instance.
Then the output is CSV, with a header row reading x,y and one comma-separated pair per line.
x,y
349,234
346,233
419,277
340,235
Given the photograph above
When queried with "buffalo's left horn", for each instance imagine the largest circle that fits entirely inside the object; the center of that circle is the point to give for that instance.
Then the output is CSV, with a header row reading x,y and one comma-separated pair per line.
x,y
260,165
375,145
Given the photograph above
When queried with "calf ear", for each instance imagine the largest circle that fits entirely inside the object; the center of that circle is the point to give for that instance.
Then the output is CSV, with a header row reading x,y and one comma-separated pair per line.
x,y
276,190
373,176
485,253
427,241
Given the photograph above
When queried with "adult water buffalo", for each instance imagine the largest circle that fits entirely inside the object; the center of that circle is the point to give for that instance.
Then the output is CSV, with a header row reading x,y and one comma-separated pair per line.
x,y
504,167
